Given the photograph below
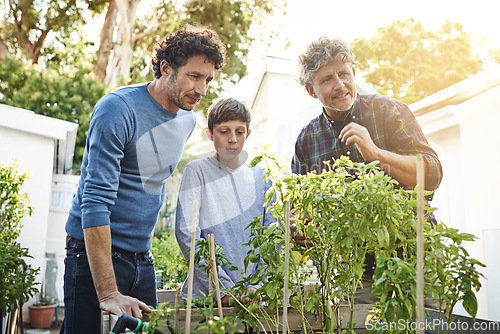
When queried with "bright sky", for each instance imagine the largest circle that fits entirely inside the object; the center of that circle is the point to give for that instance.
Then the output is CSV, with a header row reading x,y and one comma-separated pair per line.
x,y
307,20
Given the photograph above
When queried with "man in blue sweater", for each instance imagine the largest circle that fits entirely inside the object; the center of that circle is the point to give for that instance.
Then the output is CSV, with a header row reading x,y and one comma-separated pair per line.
x,y
135,140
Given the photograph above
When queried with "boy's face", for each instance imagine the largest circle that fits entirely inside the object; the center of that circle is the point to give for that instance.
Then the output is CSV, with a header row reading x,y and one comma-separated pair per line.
x,y
228,138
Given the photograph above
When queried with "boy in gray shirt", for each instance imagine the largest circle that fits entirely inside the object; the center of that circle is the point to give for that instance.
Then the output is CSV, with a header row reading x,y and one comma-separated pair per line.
x,y
230,195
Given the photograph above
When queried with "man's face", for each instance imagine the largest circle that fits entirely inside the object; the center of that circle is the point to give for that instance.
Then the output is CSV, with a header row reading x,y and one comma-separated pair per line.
x,y
186,86
229,138
333,84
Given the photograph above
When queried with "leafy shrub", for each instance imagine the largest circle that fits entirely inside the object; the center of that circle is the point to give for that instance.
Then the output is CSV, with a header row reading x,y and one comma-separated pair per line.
x,y
169,260
17,278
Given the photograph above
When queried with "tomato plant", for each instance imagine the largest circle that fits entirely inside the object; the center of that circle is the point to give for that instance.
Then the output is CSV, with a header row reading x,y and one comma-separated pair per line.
x,y
347,212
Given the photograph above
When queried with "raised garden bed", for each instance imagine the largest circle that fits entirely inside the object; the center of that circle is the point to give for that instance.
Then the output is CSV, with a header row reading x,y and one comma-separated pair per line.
x,y
294,318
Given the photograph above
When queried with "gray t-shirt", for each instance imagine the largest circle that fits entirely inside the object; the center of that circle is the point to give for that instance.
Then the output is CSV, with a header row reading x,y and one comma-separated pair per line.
x,y
228,201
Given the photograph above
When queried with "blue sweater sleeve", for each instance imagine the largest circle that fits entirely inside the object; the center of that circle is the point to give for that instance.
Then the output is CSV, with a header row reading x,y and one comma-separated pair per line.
x,y
109,132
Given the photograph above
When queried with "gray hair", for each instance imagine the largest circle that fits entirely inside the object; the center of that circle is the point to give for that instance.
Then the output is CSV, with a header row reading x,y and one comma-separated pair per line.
x,y
320,53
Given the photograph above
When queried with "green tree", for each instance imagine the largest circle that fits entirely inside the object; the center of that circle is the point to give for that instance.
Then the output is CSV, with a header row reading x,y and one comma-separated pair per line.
x,y
52,33
406,62
495,55
29,26
67,94
230,19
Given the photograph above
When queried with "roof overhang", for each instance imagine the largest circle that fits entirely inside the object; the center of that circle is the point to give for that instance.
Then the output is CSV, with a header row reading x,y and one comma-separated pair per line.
x,y
62,132
458,93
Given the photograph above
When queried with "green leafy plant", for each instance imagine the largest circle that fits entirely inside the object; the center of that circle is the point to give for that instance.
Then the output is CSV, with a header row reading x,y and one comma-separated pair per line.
x,y
169,260
43,299
17,277
161,317
347,212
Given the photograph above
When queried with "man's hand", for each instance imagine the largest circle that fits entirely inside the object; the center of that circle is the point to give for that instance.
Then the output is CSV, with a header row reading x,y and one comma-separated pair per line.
x,y
359,135
118,304
225,300
401,167
246,299
299,238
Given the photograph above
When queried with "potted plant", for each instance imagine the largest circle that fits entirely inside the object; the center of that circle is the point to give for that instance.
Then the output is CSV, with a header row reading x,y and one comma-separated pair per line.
x,y
18,277
42,312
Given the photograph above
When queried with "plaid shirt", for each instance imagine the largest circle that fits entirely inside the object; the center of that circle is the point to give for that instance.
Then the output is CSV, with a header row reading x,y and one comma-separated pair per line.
x,y
392,127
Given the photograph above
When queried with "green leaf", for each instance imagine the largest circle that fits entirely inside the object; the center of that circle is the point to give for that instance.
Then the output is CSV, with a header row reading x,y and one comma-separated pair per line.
x,y
309,304
266,247
256,161
254,258
297,257
270,290
383,236
470,303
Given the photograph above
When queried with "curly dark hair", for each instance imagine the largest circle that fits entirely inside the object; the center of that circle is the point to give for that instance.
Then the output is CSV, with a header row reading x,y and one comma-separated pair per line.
x,y
185,43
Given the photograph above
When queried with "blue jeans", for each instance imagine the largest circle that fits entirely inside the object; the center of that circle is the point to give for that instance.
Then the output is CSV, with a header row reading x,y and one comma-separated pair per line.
x,y
135,277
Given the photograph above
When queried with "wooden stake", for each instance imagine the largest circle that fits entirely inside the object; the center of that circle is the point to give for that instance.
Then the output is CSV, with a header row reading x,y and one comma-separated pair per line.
x,y
210,278
420,244
177,305
187,329
287,263
216,276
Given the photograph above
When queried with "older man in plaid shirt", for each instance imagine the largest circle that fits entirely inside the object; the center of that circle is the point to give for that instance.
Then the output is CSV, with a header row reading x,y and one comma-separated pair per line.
x,y
365,128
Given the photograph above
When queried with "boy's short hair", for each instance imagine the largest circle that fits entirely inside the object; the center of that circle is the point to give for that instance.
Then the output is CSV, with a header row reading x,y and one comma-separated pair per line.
x,y
228,109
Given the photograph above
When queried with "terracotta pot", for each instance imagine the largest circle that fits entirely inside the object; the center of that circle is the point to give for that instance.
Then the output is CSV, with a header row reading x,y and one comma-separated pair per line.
x,y
41,316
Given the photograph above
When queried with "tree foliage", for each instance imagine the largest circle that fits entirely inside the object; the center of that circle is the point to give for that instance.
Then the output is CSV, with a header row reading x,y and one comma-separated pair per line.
x,y
56,92
230,19
409,63
29,26
69,80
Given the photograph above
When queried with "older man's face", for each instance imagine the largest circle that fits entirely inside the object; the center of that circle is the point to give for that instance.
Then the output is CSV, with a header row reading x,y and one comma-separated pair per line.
x,y
333,84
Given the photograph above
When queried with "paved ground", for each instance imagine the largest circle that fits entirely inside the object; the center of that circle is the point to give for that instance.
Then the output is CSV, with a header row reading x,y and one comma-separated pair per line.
x,y
53,330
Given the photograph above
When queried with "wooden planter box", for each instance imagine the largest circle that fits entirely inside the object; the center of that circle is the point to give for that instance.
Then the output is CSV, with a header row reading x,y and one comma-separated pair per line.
x,y
458,325
294,318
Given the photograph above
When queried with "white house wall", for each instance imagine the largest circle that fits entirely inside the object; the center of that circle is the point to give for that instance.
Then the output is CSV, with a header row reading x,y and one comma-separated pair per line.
x,y
35,154
281,109
468,144
480,143
63,190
